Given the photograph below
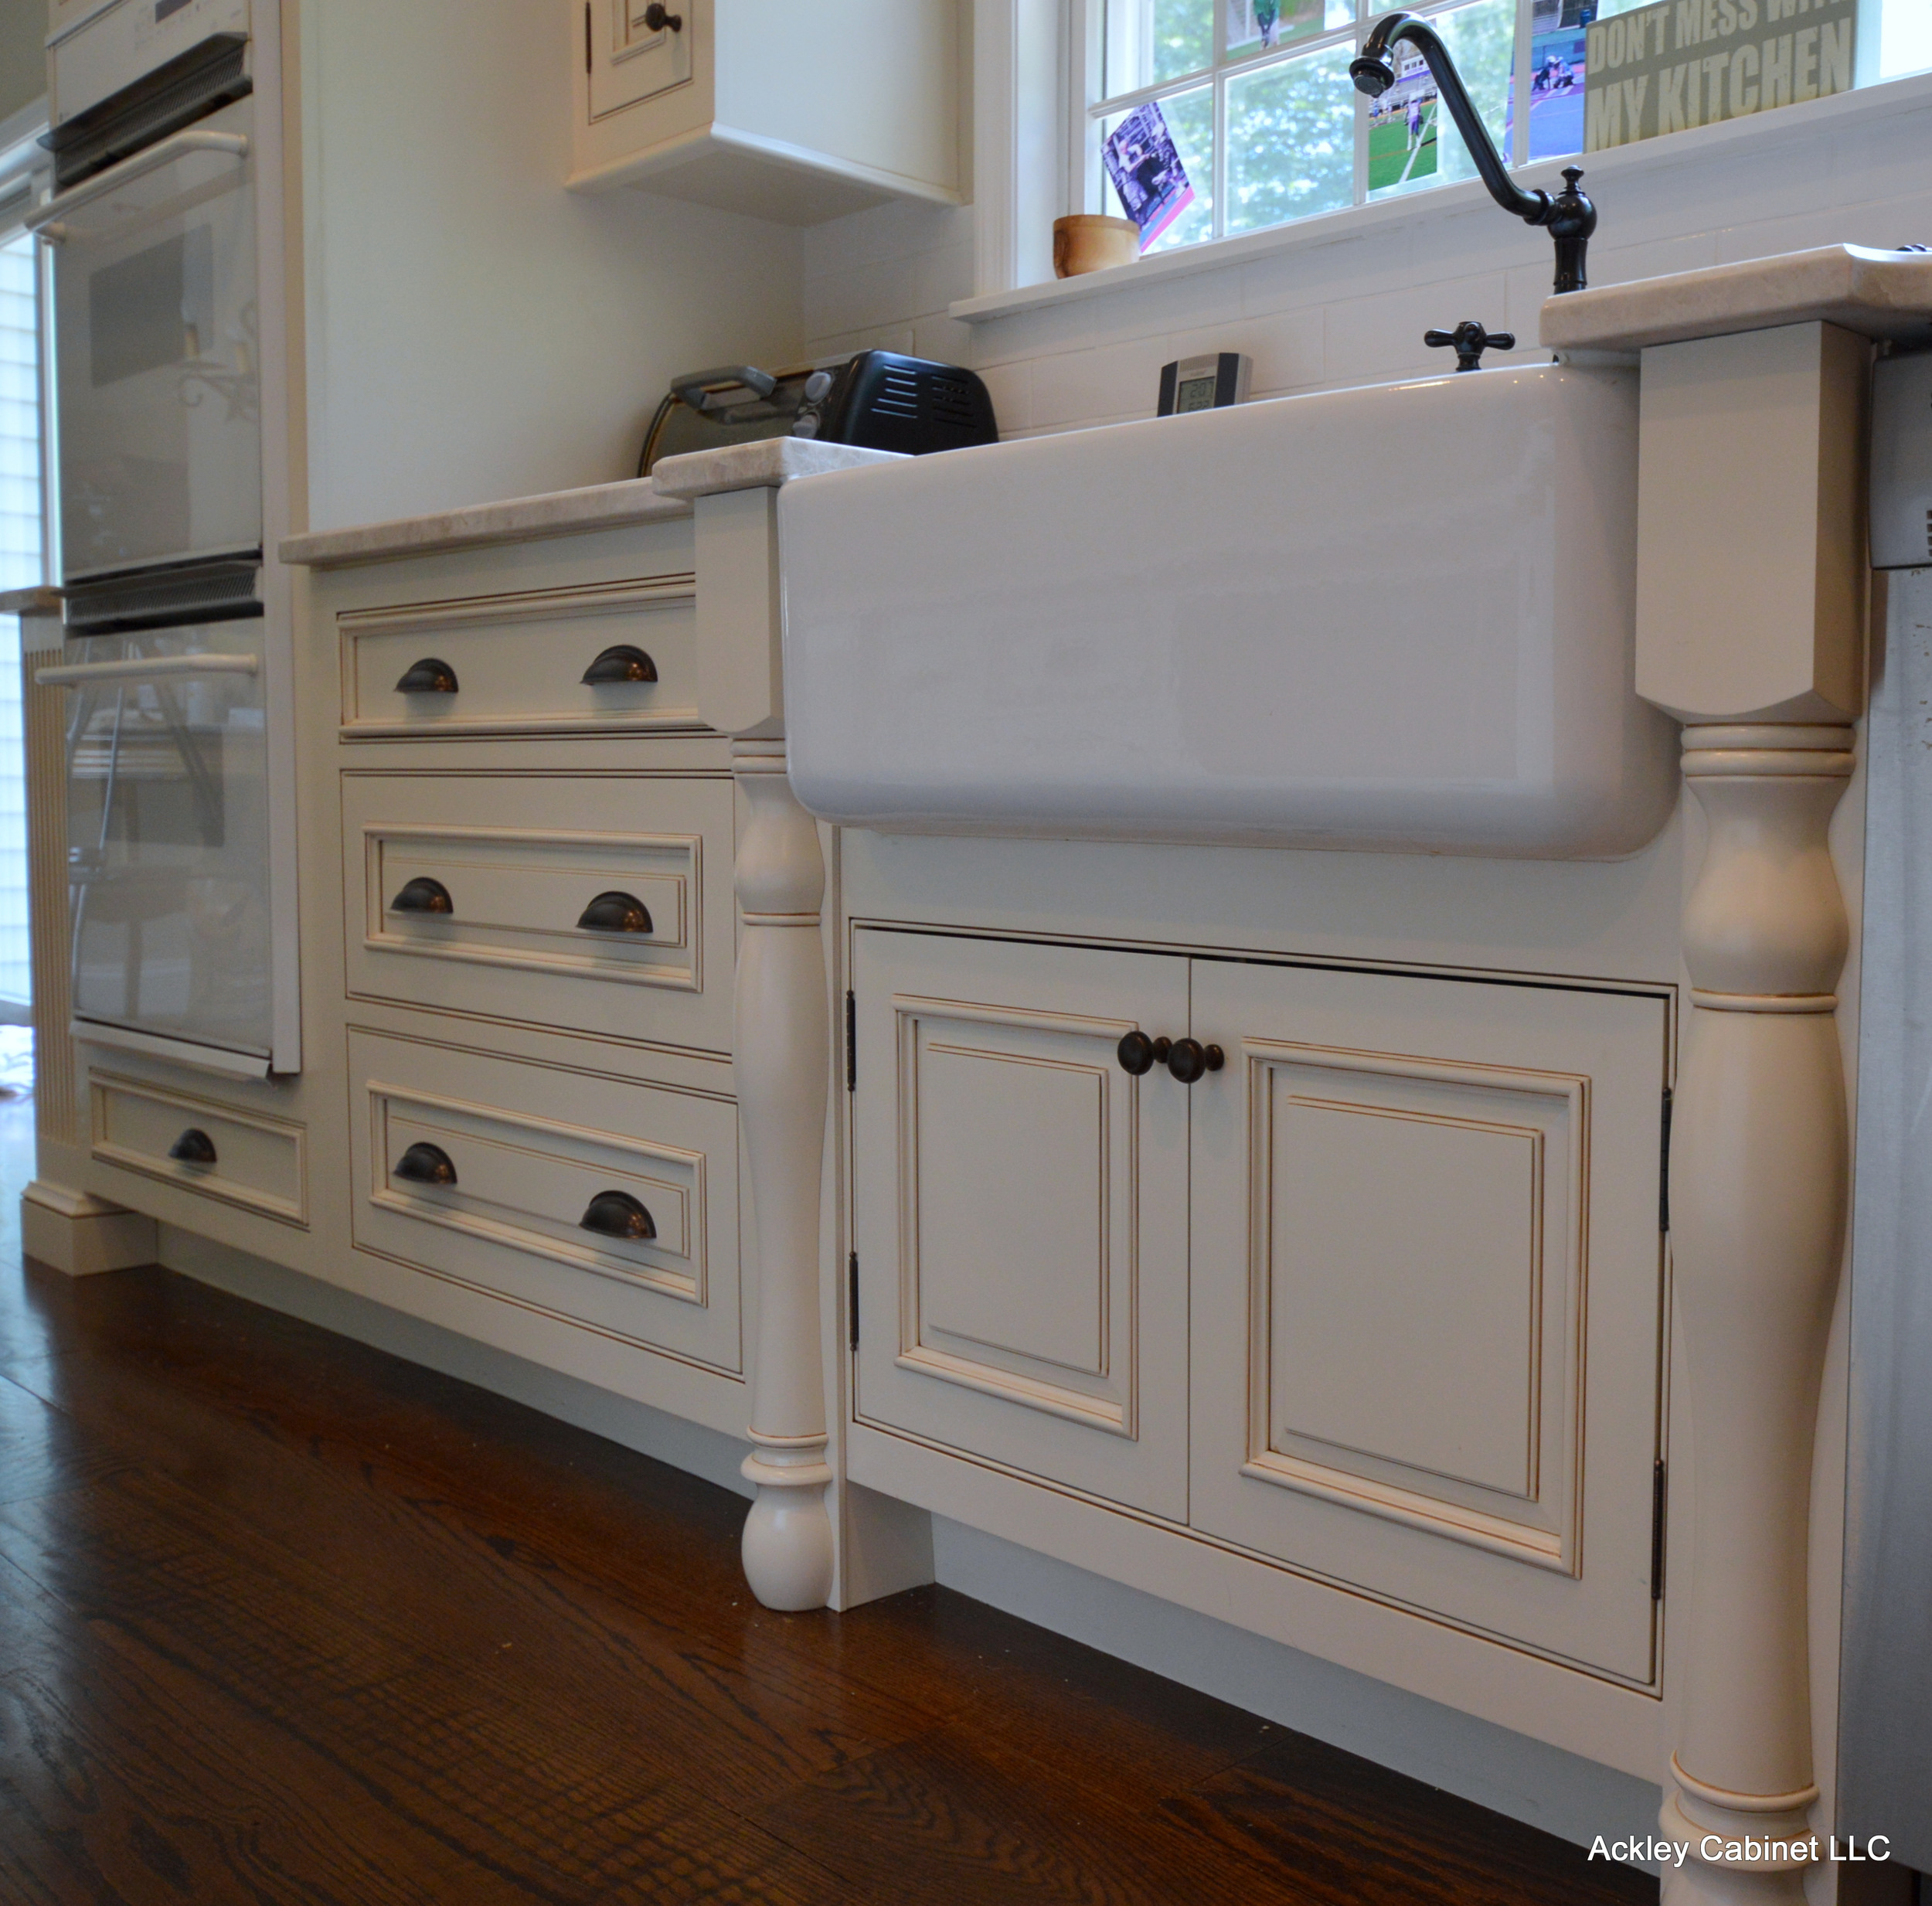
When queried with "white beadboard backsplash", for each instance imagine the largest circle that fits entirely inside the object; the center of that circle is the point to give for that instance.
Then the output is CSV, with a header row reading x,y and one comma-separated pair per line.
x,y
1352,308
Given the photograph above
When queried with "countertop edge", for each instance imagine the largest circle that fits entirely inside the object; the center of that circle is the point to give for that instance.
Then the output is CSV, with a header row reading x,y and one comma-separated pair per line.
x,y
766,463
39,600
521,518
1881,294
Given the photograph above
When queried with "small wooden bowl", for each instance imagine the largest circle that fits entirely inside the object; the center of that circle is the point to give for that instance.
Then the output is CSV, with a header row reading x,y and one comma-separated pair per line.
x,y
1090,241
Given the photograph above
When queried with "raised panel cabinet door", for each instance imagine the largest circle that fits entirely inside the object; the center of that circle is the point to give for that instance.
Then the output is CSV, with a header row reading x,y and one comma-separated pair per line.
x,y
630,59
1427,1276
1019,1210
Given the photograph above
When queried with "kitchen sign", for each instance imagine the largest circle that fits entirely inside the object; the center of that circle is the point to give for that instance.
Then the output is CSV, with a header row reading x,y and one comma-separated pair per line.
x,y
1681,64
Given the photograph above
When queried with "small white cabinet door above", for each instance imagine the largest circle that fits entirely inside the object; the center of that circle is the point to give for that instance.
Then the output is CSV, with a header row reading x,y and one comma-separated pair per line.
x,y
1427,1267
1020,1209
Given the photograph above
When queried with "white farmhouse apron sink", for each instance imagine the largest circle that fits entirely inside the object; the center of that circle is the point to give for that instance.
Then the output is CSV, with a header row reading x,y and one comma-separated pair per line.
x,y
1396,617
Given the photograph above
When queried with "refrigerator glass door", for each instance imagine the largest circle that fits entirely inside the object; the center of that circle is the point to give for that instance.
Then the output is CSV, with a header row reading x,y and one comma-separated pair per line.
x,y
167,832
159,372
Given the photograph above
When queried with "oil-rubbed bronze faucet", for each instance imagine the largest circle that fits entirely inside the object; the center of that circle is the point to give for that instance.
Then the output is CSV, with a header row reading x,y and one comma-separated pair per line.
x,y
1569,217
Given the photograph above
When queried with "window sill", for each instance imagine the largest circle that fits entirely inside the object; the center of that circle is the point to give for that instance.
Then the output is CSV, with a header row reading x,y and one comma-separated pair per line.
x,y
1762,133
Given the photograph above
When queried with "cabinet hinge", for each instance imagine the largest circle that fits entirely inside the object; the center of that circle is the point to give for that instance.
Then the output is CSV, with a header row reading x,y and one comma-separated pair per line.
x,y
587,35
1659,1497
851,1298
852,1040
1663,1169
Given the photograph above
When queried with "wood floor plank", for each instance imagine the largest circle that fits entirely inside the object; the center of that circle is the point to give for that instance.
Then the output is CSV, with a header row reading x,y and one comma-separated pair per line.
x,y
43,1451
283,1618
764,1716
954,1820
486,1765
932,1652
130,1774
1360,1833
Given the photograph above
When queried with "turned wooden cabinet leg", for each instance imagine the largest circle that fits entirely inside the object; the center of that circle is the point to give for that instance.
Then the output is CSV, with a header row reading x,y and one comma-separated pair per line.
x,y
1758,1184
781,1042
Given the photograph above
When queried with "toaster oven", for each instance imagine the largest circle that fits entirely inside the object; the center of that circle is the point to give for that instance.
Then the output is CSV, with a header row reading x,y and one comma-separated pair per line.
x,y
875,400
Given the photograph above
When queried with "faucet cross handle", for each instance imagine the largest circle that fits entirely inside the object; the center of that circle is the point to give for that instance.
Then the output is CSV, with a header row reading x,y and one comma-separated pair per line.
x,y
1470,340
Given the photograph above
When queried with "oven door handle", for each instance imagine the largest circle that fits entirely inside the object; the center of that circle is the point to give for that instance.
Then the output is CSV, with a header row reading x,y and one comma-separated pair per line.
x,y
141,668
47,219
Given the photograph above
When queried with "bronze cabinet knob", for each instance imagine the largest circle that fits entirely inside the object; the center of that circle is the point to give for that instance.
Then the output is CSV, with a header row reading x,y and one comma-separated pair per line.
x,y
1190,1059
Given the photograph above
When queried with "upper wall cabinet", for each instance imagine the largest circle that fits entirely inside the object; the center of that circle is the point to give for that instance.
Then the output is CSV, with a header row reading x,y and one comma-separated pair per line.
x,y
787,112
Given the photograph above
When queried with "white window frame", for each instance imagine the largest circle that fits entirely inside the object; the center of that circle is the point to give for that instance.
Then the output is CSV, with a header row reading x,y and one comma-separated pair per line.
x,y
1028,136
26,181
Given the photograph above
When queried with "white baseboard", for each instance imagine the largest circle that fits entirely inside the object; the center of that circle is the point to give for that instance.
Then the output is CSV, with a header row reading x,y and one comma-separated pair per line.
x,y
1563,1793
81,1234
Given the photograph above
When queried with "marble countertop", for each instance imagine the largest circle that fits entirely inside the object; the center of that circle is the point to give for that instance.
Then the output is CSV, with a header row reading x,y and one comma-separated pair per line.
x,y
562,513
667,493
766,463
1880,294
36,600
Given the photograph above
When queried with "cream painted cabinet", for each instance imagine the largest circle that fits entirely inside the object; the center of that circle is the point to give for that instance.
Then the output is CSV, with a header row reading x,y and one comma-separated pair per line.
x,y
798,113
1426,1271
1380,1299
1021,1216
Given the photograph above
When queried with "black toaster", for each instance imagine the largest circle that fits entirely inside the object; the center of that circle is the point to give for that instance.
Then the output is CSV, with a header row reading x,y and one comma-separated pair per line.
x,y
876,399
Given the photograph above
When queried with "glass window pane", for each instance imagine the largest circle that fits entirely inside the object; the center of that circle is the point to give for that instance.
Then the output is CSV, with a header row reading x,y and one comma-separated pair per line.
x,y
1190,124
1412,140
1290,130
1150,41
1559,40
1482,41
1253,26
1905,38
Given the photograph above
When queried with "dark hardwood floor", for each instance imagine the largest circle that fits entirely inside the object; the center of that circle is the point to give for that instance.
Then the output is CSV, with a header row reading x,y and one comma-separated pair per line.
x,y
283,1619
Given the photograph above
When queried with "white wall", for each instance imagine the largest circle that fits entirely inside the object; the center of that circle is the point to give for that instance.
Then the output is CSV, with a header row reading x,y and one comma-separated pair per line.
x,y
1340,309
474,330
23,31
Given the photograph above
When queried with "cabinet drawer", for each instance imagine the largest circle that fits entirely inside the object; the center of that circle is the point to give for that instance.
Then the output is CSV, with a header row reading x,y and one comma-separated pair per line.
x,y
516,663
218,1151
470,893
609,1203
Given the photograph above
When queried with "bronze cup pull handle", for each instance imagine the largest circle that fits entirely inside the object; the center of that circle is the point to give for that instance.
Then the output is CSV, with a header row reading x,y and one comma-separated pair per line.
x,y
425,1164
429,676
626,662
617,1214
615,912
193,1147
423,895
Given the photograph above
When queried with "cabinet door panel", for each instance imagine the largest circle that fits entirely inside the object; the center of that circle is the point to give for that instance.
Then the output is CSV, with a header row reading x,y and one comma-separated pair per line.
x,y
1426,1271
629,59
1020,1209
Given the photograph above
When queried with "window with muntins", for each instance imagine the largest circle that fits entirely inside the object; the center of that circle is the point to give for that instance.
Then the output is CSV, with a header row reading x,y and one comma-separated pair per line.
x,y
1258,104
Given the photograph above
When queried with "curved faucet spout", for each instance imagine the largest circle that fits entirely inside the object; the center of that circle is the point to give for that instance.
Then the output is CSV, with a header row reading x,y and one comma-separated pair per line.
x,y
1570,217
